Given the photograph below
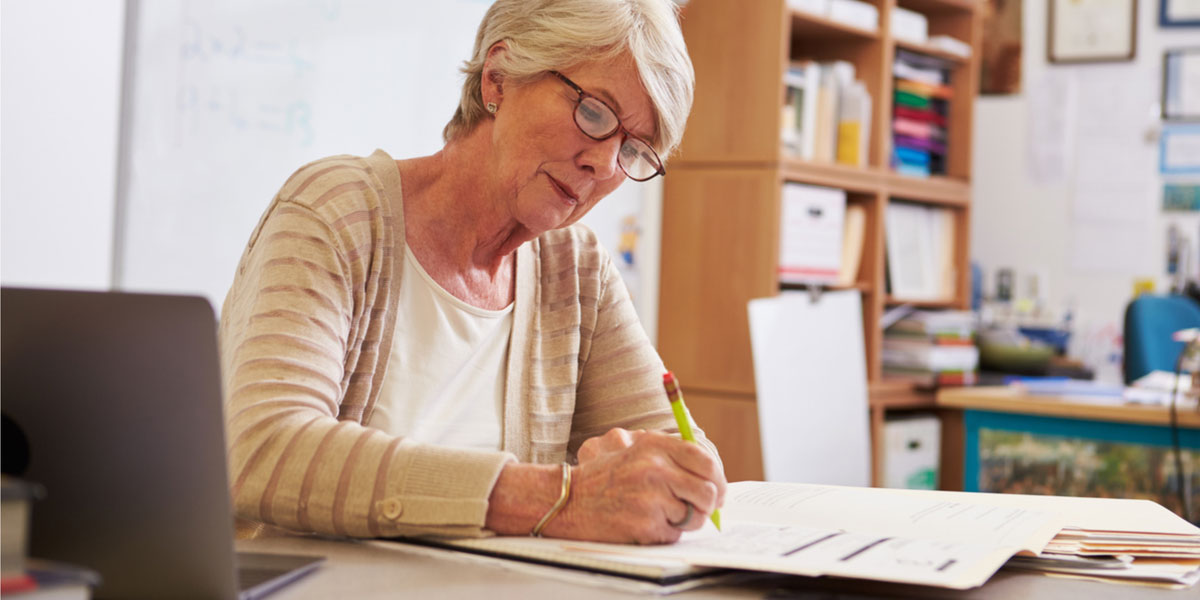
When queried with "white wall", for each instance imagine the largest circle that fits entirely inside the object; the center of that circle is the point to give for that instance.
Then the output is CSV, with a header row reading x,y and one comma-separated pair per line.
x,y
60,67
1088,232
61,85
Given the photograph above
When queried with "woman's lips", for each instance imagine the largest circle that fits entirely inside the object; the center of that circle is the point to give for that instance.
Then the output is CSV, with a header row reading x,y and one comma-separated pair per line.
x,y
567,194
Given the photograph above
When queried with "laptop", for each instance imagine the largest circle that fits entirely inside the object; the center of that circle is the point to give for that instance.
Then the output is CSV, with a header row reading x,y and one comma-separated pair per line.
x,y
112,402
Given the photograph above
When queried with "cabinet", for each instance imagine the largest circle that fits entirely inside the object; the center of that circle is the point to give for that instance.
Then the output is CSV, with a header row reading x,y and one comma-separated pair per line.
x,y
721,199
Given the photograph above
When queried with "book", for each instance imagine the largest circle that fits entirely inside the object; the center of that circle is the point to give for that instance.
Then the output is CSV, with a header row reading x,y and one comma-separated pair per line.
x,y
16,505
936,323
854,124
947,539
49,580
853,234
921,354
920,257
921,100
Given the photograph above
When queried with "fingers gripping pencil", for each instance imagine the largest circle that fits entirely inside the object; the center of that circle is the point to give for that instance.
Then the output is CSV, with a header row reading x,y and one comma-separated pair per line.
x,y
681,419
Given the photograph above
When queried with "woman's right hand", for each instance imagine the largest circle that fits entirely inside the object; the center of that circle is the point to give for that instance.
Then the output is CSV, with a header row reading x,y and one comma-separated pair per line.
x,y
630,486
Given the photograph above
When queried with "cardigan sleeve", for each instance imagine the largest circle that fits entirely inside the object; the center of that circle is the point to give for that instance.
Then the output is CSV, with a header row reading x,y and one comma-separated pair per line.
x,y
290,339
621,379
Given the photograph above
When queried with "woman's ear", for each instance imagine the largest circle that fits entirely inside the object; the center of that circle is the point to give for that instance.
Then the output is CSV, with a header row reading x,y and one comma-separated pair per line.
x,y
492,83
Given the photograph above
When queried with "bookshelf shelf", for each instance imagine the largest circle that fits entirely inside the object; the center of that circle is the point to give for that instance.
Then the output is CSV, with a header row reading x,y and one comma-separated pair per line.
x,y
947,191
815,27
894,301
855,179
860,286
933,7
722,198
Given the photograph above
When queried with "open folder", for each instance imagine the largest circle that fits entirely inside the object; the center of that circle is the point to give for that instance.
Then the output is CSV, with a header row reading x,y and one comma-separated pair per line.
x,y
945,539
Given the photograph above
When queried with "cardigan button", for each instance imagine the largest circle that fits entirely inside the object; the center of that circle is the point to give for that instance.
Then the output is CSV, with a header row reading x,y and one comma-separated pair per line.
x,y
392,508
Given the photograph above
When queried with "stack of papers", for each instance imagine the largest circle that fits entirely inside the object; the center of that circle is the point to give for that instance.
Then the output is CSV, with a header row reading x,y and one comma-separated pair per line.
x,y
1166,559
945,539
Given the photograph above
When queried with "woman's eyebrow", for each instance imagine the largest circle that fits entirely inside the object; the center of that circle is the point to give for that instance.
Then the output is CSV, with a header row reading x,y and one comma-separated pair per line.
x,y
609,99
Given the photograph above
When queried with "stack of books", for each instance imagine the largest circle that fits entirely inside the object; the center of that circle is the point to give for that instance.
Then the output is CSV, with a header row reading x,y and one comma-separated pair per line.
x,y
920,108
932,348
826,113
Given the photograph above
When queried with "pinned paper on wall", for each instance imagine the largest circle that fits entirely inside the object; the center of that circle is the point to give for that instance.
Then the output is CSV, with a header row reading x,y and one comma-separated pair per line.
x,y
1114,177
811,376
1050,128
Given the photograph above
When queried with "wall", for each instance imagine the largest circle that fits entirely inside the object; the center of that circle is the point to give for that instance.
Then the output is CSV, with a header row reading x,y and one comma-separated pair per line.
x,y
61,66
225,99
1081,208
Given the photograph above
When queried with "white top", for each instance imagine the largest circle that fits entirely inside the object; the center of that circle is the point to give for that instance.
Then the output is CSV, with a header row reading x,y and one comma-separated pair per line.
x,y
445,378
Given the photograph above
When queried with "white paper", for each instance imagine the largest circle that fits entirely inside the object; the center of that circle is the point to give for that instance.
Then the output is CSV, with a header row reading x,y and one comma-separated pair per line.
x,y
1050,127
810,372
858,532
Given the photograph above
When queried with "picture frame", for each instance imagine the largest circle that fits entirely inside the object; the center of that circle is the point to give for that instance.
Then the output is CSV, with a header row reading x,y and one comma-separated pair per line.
x,y
1181,84
1091,31
1179,13
1179,149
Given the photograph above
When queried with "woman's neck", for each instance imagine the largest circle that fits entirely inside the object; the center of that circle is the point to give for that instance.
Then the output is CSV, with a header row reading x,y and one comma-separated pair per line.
x,y
456,222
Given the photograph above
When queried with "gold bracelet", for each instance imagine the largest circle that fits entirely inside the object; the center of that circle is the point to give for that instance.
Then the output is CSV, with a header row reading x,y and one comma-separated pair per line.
x,y
562,501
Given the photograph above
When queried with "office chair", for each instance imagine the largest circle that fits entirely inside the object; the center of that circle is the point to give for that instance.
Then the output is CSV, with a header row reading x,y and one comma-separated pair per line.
x,y
1149,322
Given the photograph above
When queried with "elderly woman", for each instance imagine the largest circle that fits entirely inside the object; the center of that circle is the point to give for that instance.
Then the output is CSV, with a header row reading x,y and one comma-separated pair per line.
x,y
429,346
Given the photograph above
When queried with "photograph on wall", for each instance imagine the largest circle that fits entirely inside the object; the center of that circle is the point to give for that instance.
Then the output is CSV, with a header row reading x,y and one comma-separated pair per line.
x,y
1000,58
1024,463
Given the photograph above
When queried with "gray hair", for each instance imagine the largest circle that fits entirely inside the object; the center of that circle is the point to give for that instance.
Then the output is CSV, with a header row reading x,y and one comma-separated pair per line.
x,y
555,35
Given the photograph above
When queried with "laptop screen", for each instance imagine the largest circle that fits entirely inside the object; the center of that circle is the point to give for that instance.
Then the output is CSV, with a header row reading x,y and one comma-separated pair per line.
x,y
118,400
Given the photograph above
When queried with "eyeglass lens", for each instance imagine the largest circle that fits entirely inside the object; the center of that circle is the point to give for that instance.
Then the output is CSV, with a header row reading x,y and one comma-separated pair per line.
x,y
597,120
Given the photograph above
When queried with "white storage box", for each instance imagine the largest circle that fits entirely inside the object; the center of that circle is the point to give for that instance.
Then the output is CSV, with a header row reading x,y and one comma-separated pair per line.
x,y
815,7
910,26
854,13
912,447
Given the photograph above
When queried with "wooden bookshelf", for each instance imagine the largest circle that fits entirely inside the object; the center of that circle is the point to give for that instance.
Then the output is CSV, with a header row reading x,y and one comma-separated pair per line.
x,y
721,206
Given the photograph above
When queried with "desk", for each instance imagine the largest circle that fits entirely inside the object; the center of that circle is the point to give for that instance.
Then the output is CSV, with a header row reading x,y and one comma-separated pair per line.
x,y
363,570
1108,433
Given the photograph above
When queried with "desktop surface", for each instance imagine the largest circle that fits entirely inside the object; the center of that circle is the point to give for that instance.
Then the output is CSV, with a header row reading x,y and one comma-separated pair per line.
x,y
366,570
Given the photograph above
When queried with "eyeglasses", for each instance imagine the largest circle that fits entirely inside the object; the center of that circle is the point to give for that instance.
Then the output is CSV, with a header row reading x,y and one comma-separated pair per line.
x,y
599,121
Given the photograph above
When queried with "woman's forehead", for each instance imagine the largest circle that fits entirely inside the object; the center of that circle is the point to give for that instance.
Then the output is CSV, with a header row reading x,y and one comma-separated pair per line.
x,y
616,81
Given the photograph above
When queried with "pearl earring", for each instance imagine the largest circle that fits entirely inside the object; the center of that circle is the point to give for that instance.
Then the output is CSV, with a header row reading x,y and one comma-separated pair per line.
x,y
492,108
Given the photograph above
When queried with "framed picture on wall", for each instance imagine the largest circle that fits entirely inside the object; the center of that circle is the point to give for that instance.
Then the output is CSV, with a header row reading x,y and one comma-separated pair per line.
x,y
1181,84
1091,31
1179,13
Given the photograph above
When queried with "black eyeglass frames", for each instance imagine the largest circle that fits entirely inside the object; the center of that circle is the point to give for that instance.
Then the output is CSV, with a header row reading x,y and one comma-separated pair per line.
x,y
599,121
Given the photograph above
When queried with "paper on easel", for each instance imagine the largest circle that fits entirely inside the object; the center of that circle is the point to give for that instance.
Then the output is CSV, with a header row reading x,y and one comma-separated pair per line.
x,y
810,372
810,237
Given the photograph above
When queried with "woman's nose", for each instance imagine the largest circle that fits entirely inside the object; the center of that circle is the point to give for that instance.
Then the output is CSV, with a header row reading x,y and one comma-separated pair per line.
x,y
600,156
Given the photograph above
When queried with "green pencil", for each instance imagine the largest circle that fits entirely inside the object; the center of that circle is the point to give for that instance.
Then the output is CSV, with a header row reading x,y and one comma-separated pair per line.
x,y
685,426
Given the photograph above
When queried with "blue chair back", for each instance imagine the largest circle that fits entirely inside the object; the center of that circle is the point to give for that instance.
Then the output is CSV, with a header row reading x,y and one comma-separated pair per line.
x,y
1149,322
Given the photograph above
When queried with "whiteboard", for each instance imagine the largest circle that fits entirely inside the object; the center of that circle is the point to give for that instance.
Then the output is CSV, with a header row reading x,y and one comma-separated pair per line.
x,y
811,375
226,98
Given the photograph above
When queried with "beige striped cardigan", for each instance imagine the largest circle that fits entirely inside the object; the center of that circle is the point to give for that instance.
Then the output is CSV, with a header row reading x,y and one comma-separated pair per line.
x,y
305,336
